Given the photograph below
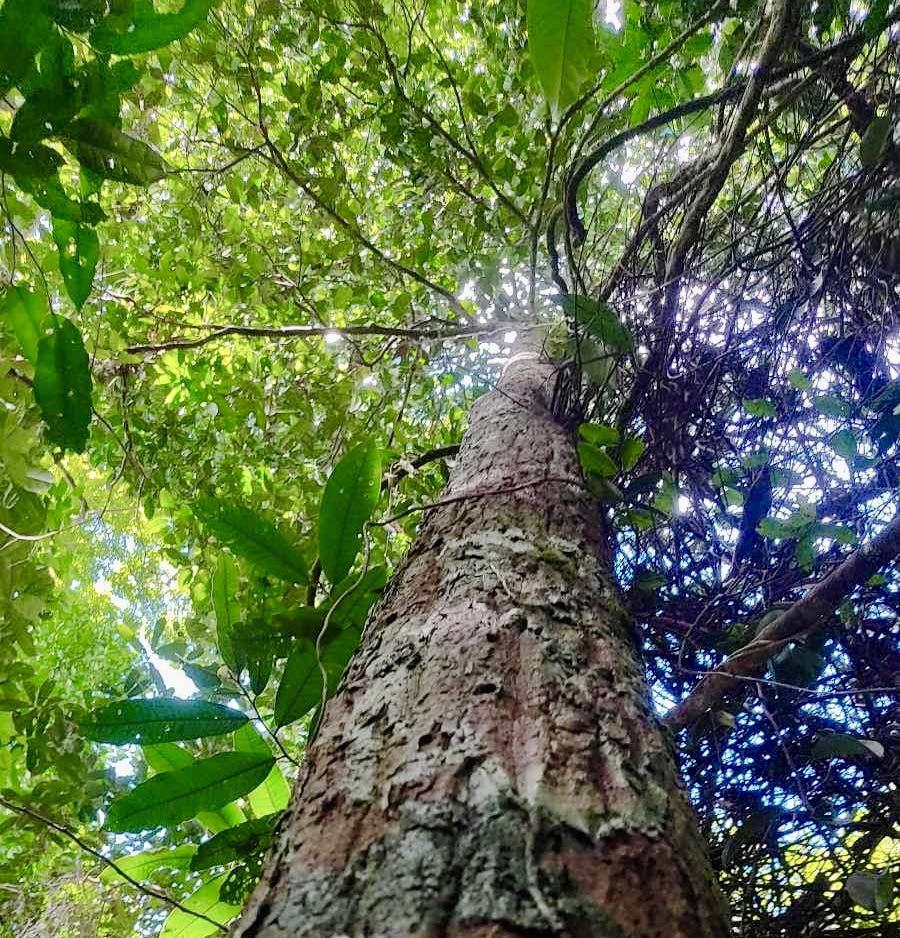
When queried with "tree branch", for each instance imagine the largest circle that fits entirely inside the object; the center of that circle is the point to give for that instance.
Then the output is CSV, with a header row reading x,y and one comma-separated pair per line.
x,y
306,332
792,624
146,890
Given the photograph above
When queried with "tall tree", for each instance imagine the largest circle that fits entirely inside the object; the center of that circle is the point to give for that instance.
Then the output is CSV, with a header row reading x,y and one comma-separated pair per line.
x,y
458,388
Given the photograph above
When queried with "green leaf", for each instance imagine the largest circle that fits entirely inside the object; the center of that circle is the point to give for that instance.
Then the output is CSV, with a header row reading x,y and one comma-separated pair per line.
x,y
844,444
146,29
111,154
595,462
598,434
166,757
639,518
759,407
24,28
140,865
235,843
351,494
839,746
831,406
274,793
77,15
252,537
873,141
205,901
561,45
27,313
301,684
798,379
50,194
838,532
353,608
227,610
872,891
160,720
632,450
62,386
172,797
876,18
79,251
27,162
797,665
600,321
300,688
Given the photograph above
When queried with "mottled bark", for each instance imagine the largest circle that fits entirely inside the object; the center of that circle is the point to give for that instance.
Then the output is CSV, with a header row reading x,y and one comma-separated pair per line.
x,y
491,765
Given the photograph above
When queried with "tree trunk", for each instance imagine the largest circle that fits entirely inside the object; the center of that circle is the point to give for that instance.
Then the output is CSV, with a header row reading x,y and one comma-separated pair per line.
x,y
491,765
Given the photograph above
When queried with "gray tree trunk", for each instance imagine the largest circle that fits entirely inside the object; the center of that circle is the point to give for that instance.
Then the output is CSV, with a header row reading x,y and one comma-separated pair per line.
x,y
491,765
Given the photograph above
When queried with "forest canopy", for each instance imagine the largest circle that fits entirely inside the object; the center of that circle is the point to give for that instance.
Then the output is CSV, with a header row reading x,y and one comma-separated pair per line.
x,y
260,258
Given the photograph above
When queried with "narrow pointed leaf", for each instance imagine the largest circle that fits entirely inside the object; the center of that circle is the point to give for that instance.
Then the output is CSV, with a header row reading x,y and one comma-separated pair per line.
x,y
350,497
160,720
228,612
165,757
140,865
172,797
300,688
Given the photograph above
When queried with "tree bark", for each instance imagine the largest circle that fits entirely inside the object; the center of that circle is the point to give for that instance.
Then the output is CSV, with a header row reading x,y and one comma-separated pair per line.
x,y
491,765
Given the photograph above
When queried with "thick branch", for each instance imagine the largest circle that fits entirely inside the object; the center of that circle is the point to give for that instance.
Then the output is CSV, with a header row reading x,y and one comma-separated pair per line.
x,y
792,624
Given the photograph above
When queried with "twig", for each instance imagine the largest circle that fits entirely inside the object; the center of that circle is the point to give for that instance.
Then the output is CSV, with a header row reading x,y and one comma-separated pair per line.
x,y
146,890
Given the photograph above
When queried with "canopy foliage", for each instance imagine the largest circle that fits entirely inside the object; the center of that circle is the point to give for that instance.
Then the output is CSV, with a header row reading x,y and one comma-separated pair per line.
x,y
260,256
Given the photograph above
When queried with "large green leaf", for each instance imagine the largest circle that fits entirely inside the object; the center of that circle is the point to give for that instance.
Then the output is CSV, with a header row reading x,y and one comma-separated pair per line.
x,y
62,385
252,537
141,865
50,194
111,154
237,842
166,757
300,689
227,610
274,793
146,29
24,28
79,251
172,797
561,44
205,901
27,162
160,720
350,497
844,746
600,322
27,313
